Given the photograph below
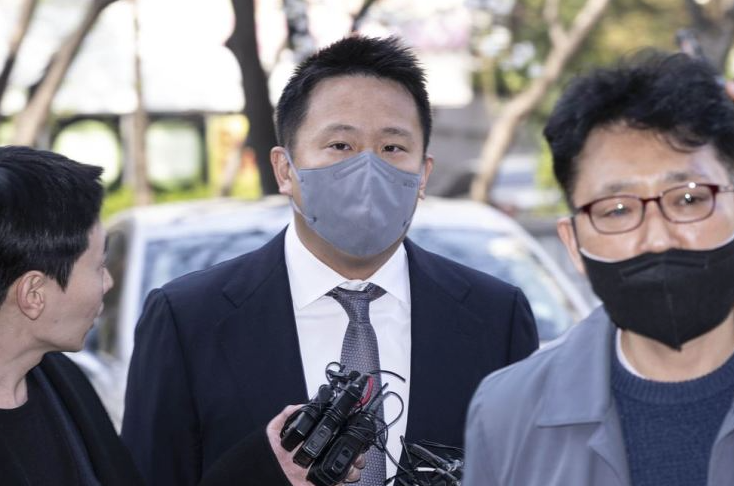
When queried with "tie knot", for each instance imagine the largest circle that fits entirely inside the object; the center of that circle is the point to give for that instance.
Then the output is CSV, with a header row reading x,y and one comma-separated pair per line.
x,y
357,302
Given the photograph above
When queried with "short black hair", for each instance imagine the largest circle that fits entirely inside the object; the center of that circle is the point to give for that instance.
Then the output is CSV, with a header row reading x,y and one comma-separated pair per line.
x,y
670,94
352,56
48,206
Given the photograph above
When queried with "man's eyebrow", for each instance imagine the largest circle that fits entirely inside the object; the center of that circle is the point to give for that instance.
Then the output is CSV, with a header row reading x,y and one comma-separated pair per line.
x,y
343,127
617,187
684,176
401,132
340,127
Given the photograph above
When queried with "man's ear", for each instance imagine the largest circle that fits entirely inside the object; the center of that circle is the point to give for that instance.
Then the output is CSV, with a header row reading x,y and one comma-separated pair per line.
x,y
427,168
30,293
282,170
567,234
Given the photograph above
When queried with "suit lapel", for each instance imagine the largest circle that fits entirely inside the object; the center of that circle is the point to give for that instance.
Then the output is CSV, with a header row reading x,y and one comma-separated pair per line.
x,y
259,337
444,351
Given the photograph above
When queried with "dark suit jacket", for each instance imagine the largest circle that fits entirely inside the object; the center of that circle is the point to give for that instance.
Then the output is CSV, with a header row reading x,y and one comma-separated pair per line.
x,y
110,460
217,356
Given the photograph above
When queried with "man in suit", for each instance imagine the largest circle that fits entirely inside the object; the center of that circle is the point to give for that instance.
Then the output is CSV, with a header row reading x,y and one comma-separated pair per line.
x,y
53,428
218,352
642,391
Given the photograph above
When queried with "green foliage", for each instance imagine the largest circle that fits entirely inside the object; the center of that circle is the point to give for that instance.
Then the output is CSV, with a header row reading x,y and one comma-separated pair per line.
x,y
544,177
116,201
199,191
545,180
6,132
124,198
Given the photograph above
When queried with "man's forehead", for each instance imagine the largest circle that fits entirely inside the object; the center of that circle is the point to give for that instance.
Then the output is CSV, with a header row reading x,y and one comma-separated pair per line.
x,y
358,105
619,158
663,177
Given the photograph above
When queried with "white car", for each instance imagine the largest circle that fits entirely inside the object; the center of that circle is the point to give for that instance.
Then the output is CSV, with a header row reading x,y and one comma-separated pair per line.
x,y
150,246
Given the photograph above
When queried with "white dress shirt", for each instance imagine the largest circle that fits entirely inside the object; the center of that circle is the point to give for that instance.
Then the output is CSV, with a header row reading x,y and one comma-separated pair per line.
x,y
623,358
321,323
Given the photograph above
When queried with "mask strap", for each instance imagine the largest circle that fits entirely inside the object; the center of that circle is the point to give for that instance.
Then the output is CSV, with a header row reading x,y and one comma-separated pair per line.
x,y
295,207
598,258
293,166
422,171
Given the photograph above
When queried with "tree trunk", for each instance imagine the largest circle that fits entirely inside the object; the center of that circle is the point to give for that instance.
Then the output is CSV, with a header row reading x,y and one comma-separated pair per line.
x,y
361,14
714,32
141,189
258,110
21,28
299,36
30,121
564,46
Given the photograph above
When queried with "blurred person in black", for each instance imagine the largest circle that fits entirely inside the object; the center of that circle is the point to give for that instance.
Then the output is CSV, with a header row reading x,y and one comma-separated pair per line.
x,y
219,351
53,427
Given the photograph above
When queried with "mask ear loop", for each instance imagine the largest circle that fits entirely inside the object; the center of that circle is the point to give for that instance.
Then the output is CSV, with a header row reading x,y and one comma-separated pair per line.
x,y
579,248
421,173
584,251
293,204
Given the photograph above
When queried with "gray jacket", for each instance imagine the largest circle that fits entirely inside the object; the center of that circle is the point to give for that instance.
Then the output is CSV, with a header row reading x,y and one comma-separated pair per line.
x,y
550,420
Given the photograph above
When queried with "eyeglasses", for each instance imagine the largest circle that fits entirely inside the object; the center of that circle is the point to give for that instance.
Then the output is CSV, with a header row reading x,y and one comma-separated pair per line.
x,y
681,204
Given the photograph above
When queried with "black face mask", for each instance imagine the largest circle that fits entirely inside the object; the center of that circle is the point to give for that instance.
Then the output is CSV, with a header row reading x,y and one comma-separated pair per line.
x,y
671,297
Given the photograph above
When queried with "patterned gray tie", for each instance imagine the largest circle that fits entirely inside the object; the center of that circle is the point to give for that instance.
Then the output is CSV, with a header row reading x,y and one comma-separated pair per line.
x,y
360,352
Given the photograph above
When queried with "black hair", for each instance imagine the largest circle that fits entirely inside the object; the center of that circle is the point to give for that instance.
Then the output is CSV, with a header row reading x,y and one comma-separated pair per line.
x,y
672,95
352,56
48,206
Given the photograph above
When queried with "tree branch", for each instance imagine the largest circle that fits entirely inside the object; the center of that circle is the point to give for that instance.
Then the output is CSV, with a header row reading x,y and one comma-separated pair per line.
x,y
16,39
700,21
519,107
556,32
30,121
361,14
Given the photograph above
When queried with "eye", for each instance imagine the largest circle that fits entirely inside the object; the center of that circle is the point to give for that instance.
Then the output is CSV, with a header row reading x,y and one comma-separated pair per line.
x,y
692,199
341,146
617,211
393,148
611,209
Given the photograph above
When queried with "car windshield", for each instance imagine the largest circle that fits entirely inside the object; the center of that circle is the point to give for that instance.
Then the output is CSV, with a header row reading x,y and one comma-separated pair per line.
x,y
510,259
168,258
498,254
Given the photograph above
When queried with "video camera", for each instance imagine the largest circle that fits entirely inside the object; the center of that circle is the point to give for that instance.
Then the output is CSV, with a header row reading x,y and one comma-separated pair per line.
x,y
337,425
342,421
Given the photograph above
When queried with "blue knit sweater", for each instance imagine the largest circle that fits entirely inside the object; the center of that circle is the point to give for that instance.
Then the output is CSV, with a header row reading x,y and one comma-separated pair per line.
x,y
669,428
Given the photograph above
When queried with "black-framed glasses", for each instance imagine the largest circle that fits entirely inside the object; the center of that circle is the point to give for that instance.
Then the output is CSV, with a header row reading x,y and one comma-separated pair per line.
x,y
687,203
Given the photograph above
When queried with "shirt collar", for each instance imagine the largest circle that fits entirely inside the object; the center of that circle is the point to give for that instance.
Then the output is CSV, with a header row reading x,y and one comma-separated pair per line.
x,y
622,357
310,278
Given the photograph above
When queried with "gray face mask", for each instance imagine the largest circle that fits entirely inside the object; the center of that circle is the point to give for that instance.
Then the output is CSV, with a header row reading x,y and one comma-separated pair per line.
x,y
360,205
